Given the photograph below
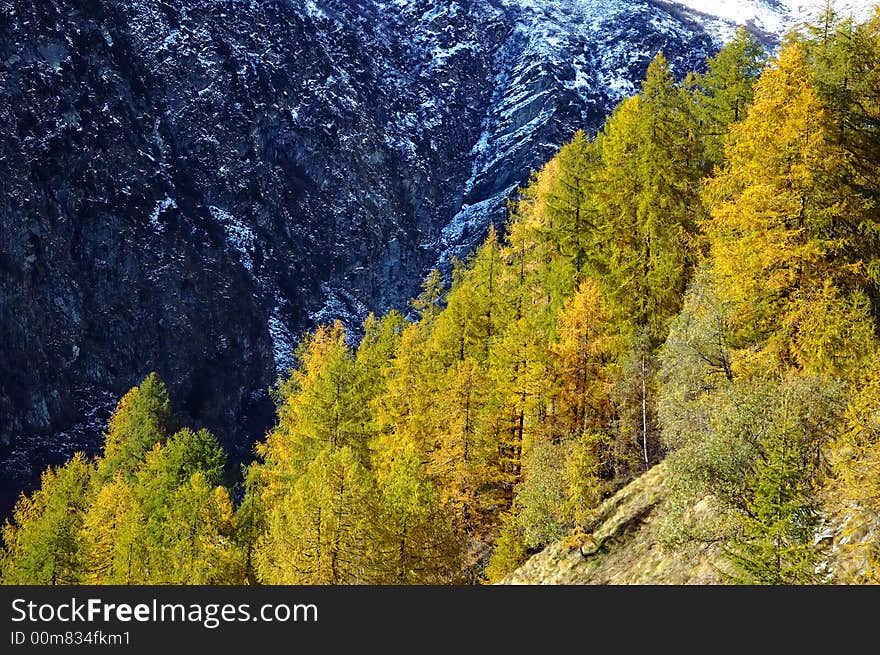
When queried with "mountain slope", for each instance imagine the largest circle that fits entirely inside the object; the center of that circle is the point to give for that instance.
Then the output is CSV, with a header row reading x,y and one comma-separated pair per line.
x,y
624,545
185,187
629,542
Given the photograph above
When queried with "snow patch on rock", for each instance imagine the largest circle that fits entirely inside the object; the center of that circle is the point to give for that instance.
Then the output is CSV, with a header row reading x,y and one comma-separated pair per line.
x,y
238,235
283,343
161,206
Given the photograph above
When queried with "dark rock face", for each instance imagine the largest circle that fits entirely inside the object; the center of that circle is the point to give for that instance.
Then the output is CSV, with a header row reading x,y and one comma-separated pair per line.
x,y
186,186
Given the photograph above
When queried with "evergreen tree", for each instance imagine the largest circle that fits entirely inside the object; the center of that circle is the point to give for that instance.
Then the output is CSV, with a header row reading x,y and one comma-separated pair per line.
x,y
777,227
141,419
42,544
775,543
415,542
724,92
321,531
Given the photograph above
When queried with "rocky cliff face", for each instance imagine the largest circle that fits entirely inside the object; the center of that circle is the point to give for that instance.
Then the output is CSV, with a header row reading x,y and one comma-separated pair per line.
x,y
186,186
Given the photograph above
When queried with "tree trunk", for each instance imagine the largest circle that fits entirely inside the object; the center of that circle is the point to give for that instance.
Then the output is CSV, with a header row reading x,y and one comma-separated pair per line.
x,y
644,416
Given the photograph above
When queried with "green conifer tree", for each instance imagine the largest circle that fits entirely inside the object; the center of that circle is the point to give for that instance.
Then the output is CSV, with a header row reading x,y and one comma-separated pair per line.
x,y
42,543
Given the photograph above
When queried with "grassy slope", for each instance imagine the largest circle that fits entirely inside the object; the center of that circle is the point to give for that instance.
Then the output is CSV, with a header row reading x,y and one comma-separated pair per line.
x,y
622,545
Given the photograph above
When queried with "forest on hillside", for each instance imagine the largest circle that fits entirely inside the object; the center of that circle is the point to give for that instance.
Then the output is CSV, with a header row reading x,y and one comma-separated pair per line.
x,y
697,282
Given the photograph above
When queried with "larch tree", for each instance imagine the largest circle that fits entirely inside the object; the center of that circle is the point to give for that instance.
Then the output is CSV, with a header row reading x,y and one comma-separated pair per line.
x,y
777,227
855,483
42,543
649,207
322,530
114,535
319,408
416,541
845,60
649,203
141,419
723,93
172,524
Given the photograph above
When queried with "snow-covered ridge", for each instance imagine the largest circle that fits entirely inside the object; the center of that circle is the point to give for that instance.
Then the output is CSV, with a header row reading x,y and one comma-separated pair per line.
x,y
772,17
719,17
